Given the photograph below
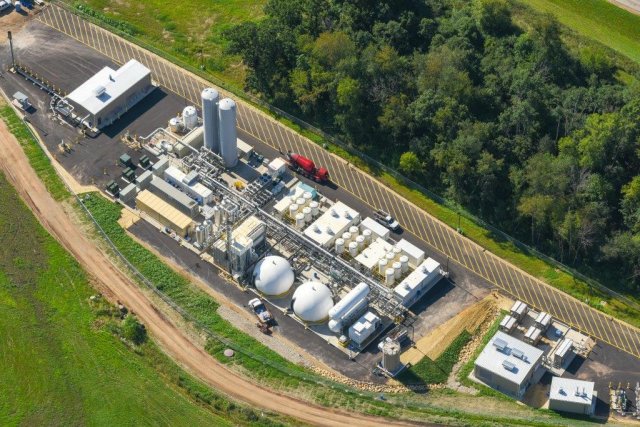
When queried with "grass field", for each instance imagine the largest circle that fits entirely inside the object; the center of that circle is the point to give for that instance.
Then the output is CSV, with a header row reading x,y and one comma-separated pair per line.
x,y
599,20
62,359
191,30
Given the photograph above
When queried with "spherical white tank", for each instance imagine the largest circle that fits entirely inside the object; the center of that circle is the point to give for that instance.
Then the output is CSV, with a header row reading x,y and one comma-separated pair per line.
x,y
397,270
382,266
312,301
367,236
339,246
389,276
307,213
210,98
315,208
228,136
299,220
360,242
353,249
293,209
273,275
190,117
404,263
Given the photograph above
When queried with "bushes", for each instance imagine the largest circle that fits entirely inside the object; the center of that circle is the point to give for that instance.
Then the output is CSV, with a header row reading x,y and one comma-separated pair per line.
x,y
133,330
125,27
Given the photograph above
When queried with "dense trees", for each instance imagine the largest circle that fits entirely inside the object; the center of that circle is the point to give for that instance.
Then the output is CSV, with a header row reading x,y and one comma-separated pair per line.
x,y
506,120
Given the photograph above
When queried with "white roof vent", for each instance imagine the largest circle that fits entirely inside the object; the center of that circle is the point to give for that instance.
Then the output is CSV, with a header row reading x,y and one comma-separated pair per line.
x,y
347,214
329,230
500,344
316,228
509,366
99,90
334,213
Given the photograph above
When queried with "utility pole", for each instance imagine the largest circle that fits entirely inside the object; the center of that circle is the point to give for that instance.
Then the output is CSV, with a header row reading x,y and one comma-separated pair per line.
x,y
13,59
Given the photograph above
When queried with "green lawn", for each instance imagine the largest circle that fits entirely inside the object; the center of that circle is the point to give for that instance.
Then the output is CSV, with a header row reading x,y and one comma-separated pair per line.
x,y
185,28
598,20
62,359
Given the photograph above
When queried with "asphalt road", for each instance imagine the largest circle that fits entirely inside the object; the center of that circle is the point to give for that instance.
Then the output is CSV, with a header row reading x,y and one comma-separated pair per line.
x,y
357,185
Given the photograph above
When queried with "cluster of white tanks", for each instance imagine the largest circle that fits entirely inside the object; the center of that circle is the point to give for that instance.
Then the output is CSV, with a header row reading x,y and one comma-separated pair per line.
x,y
303,209
349,308
393,265
203,231
352,241
219,117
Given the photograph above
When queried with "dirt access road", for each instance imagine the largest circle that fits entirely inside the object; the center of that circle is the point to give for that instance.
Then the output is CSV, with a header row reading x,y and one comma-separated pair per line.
x,y
115,285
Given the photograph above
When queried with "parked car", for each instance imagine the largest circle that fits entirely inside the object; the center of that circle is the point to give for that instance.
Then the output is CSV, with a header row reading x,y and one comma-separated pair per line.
x,y
5,4
387,220
261,311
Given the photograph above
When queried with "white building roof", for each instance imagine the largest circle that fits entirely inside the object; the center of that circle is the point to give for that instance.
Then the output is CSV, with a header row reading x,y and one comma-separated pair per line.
x,y
370,256
244,148
331,224
177,175
570,390
375,227
107,85
364,327
411,250
503,347
425,273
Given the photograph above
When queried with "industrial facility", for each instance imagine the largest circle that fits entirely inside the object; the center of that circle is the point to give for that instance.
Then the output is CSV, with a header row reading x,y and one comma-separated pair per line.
x,y
108,94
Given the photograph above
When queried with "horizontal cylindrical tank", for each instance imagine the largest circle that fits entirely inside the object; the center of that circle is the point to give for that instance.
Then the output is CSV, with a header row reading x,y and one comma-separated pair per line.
x,y
307,213
339,246
382,266
299,220
397,269
346,236
404,263
189,117
315,208
335,326
353,297
228,136
353,230
367,236
389,276
353,249
293,209
360,242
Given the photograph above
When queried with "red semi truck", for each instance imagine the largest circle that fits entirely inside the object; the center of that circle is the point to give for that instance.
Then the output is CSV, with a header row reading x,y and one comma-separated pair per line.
x,y
306,167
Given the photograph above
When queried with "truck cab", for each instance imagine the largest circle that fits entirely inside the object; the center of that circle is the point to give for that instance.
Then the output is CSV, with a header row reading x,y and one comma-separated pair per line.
x,y
387,220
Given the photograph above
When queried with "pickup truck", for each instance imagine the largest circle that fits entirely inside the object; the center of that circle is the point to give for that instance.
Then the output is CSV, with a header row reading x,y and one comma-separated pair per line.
x,y
260,310
386,219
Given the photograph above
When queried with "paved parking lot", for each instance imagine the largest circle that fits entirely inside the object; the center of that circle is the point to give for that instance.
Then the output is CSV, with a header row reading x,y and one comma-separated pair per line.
x,y
434,234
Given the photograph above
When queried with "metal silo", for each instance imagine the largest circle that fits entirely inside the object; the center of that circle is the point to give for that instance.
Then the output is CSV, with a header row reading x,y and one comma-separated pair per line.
x,y
210,98
228,137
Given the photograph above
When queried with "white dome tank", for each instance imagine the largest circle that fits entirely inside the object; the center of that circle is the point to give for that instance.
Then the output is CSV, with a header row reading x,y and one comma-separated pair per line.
x,y
228,136
273,275
382,265
404,263
210,98
312,301
367,236
315,208
190,117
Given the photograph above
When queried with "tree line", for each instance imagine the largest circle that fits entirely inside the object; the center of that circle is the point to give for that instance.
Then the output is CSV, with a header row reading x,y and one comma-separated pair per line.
x,y
501,117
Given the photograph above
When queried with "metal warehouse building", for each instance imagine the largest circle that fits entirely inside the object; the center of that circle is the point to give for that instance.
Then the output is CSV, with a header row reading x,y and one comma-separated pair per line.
x,y
164,213
569,395
110,93
508,364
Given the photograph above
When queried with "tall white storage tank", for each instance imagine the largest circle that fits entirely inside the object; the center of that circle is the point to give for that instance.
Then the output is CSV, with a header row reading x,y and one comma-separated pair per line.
x,y
353,249
367,236
210,98
299,220
391,356
190,117
339,246
315,208
228,136
389,276
382,266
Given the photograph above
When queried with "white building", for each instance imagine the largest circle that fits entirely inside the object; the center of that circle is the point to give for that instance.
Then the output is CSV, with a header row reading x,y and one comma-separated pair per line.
x,y
195,190
331,224
507,364
110,93
418,282
575,396
370,256
415,254
363,328
375,227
